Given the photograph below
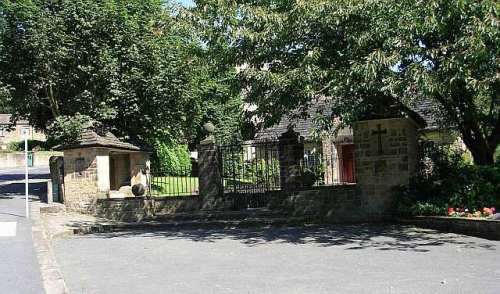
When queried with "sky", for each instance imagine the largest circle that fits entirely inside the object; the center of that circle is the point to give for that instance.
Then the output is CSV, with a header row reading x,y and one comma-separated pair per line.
x,y
186,2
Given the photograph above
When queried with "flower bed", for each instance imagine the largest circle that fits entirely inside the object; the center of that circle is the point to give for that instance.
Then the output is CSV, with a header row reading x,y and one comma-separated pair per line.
x,y
486,212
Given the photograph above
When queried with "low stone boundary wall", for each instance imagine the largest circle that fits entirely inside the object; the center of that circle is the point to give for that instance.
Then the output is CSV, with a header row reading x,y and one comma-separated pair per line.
x,y
342,203
138,208
16,159
334,204
330,204
484,228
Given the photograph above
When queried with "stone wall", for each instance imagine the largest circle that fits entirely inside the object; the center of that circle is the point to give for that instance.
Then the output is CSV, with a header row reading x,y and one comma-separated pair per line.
x,y
16,159
484,228
80,179
139,208
341,203
209,174
386,157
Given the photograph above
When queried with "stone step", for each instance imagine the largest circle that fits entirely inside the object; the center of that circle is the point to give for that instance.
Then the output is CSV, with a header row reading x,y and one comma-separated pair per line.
x,y
148,226
221,215
52,208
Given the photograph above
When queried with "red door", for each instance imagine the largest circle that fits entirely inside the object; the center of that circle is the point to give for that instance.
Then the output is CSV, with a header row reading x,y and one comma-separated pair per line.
x,y
348,171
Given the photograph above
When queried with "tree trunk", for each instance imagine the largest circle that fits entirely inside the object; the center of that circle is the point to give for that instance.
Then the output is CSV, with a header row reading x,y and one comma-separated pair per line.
x,y
483,157
482,152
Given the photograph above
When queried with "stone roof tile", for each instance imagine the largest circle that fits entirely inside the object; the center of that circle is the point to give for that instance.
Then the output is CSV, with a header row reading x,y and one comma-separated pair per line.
x,y
90,138
305,126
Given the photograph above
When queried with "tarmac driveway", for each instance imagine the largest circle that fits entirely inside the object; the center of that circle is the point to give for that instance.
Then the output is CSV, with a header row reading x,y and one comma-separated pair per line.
x,y
335,259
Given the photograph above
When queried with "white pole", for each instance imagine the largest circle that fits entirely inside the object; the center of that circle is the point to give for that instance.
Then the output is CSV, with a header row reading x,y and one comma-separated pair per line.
x,y
26,174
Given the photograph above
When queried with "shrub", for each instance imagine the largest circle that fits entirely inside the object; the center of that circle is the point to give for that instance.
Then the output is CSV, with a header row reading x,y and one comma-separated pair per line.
x,y
475,187
260,171
173,160
409,204
428,208
447,180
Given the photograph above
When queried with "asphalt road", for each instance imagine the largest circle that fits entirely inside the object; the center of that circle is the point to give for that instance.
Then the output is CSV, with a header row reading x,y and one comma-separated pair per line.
x,y
19,268
336,259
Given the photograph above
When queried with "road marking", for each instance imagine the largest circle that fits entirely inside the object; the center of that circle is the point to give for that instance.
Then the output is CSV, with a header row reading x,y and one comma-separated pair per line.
x,y
8,229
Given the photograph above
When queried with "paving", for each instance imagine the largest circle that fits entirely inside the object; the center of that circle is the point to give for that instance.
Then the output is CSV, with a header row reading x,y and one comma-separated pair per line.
x,y
19,267
328,259
209,254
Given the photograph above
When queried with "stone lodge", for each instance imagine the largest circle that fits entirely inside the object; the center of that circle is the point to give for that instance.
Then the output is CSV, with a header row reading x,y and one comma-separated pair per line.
x,y
101,166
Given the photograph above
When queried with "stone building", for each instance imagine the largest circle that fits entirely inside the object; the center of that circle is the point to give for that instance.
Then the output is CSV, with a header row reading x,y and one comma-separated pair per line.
x,y
337,151
99,165
13,133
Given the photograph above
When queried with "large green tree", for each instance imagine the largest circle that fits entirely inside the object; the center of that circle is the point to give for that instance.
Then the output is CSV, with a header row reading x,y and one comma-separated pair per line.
x,y
363,54
131,65
225,106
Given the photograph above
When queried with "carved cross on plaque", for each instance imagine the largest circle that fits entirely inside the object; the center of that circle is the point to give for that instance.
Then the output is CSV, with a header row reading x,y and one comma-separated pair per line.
x,y
379,132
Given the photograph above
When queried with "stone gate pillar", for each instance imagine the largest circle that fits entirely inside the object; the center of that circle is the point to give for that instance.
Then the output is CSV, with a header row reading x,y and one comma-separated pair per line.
x,y
386,157
290,153
209,177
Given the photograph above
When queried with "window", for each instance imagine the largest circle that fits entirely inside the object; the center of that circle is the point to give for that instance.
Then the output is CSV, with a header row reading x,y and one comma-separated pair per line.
x,y
2,132
80,166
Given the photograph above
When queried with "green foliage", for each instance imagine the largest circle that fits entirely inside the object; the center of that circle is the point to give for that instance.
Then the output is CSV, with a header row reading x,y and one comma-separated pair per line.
x,y
258,171
446,180
362,59
4,99
172,160
424,209
475,187
33,145
137,66
67,129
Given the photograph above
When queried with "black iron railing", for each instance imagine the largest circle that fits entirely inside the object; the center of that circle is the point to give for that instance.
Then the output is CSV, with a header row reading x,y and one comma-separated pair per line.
x,y
181,183
258,167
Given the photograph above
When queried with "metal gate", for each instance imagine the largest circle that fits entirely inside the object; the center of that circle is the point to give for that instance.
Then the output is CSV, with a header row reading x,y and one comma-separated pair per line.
x,y
249,171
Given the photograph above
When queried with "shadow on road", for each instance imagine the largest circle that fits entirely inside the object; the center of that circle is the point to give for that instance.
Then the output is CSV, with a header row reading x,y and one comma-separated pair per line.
x,y
35,190
353,237
20,177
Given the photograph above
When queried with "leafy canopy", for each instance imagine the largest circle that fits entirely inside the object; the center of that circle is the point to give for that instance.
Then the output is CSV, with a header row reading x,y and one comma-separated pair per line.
x,y
364,55
136,66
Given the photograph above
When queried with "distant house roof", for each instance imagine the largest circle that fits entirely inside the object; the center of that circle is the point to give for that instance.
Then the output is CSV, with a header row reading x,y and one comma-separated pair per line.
x,y
5,120
304,126
426,110
421,112
90,138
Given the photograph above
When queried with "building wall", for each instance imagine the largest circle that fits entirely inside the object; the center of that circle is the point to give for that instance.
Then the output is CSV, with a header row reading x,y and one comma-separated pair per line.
x,y
440,137
15,135
330,157
378,173
87,176
80,178
139,164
